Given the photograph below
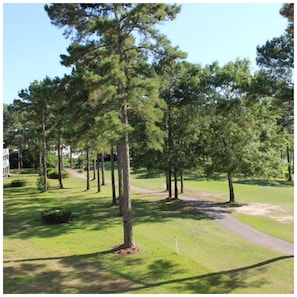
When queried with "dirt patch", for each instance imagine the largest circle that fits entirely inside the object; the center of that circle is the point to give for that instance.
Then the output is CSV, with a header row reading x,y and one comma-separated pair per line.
x,y
274,212
211,197
120,250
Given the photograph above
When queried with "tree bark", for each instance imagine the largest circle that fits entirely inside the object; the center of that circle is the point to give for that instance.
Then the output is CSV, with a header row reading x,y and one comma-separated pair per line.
x,y
20,155
289,164
120,178
181,182
71,158
98,173
114,197
167,181
88,169
40,160
102,169
169,184
44,152
175,185
231,189
94,169
60,165
127,215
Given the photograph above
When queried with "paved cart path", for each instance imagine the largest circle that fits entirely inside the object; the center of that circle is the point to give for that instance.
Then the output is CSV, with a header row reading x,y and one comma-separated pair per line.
x,y
225,219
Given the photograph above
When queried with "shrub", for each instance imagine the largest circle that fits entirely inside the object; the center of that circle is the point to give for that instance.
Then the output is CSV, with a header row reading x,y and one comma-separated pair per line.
x,y
40,183
56,216
54,174
18,183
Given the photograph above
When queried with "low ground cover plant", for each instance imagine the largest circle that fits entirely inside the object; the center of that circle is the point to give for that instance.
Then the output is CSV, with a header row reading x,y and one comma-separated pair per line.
x,y
18,183
56,216
54,174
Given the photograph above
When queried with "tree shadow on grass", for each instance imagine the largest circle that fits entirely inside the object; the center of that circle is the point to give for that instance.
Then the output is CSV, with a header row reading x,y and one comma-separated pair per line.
x,y
222,282
265,182
70,274
22,219
200,177
90,273
156,211
25,221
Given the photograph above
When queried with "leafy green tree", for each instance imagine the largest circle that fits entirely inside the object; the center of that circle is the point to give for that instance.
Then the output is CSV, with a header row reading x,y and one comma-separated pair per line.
x,y
242,138
276,59
58,122
115,41
36,100
181,90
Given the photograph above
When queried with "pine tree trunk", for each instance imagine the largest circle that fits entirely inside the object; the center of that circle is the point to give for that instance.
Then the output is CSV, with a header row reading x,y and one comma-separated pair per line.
x,y
88,169
167,181
182,183
40,160
98,173
289,164
169,184
94,169
127,216
71,158
60,165
44,152
175,185
102,169
20,157
114,198
231,189
120,178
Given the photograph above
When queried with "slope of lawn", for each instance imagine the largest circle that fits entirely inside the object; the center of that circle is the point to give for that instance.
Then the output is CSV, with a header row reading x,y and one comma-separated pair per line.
x,y
77,258
260,193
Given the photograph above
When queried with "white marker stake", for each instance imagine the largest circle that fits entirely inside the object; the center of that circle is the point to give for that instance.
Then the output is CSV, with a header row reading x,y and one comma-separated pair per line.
x,y
176,244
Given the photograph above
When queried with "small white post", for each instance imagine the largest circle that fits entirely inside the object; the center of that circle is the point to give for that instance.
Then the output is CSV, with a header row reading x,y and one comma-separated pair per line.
x,y
176,244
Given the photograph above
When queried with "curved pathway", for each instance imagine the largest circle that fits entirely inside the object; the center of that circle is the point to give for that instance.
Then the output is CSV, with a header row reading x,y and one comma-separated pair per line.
x,y
226,220
235,226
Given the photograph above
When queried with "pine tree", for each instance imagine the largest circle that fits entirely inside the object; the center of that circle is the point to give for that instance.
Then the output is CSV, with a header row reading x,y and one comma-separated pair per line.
x,y
115,42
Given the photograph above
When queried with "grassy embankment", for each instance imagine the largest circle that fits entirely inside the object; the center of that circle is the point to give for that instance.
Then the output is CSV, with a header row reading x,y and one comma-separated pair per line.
x,y
76,257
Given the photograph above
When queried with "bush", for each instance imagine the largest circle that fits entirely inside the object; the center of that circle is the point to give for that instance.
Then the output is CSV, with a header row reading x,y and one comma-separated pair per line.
x,y
40,183
18,183
80,162
54,174
56,216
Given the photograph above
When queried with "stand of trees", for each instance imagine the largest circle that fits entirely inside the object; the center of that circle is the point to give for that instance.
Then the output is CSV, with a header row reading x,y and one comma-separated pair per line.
x,y
131,91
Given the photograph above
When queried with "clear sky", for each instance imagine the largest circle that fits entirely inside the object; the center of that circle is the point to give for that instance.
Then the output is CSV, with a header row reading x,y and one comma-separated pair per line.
x,y
207,32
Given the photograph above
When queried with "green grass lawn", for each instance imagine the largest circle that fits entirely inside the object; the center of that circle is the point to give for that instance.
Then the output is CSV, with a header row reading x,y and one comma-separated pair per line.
x,y
77,257
277,192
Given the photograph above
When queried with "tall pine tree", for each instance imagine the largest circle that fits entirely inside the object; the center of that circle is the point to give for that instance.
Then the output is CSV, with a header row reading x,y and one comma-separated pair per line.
x,y
115,42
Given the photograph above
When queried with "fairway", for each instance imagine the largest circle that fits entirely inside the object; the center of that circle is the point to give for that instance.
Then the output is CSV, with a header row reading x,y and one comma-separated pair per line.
x,y
77,257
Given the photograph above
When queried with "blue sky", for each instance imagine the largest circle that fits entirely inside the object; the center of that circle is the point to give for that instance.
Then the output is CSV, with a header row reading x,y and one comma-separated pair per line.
x,y
207,32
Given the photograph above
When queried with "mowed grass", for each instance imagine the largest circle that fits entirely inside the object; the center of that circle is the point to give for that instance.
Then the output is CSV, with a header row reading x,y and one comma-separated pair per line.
x,y
77,258
262,193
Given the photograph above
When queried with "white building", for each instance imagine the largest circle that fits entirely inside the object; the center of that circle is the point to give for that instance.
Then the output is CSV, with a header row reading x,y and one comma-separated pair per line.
x,y
5,163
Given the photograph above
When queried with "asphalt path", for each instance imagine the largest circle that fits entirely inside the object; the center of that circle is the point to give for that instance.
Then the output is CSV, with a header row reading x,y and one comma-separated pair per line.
x,y
224,218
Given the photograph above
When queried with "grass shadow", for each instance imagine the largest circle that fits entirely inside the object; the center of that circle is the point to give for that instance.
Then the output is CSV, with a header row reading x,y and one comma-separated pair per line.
x,y
24,221
265,182
89,273
154,211
222,282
